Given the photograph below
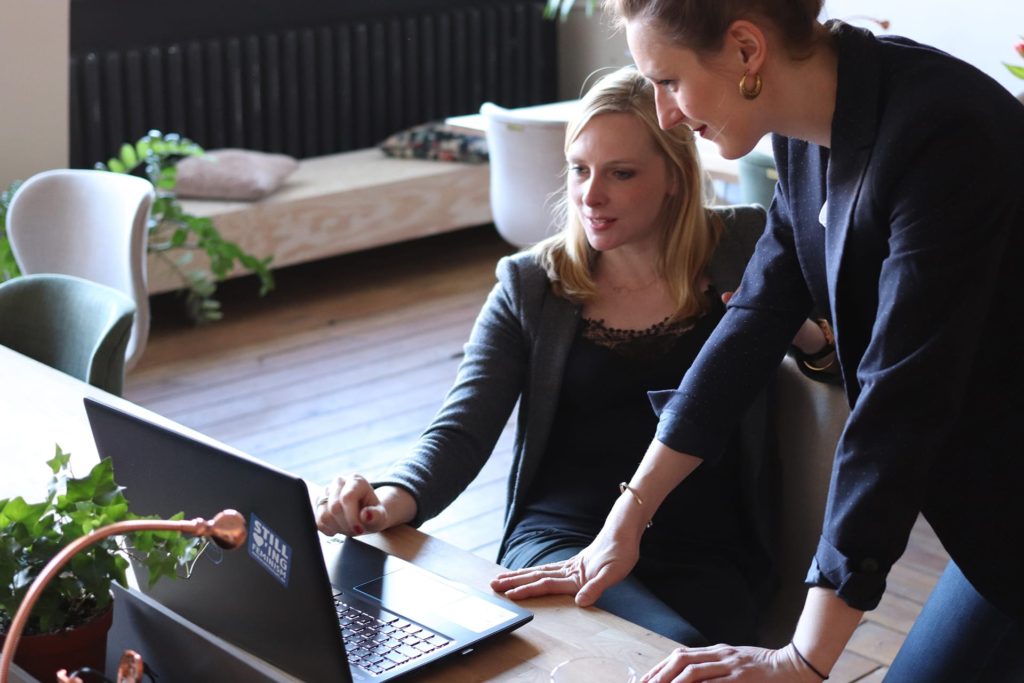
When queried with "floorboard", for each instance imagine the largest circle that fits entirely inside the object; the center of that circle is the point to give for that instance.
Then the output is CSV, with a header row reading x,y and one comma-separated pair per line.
x,y
342,367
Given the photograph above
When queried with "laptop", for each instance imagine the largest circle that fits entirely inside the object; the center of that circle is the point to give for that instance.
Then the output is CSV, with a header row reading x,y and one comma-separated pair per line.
x,y
319,609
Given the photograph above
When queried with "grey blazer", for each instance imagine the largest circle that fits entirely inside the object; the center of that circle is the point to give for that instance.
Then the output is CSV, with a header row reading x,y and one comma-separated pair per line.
x,y
517,351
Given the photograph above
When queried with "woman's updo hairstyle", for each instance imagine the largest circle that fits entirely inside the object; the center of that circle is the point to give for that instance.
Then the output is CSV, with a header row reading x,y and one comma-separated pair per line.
x,y
700,25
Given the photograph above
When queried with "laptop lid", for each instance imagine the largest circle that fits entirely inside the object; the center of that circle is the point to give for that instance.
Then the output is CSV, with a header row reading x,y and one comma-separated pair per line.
x,y
275,597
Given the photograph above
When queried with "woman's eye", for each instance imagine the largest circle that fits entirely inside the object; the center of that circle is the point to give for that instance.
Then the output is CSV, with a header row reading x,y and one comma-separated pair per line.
x,y
623,174
577,170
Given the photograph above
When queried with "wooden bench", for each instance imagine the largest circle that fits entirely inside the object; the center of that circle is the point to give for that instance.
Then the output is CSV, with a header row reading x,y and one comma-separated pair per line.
x,y
342,203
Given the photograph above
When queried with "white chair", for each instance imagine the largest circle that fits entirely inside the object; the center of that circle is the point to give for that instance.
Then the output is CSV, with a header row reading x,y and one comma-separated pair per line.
x,y
91,224
527,160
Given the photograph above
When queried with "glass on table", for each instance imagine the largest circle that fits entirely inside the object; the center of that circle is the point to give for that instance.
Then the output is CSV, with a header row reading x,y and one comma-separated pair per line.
x,y
594,669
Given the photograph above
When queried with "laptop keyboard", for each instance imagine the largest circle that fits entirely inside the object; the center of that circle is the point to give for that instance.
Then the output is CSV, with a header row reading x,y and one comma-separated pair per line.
x,y
379,642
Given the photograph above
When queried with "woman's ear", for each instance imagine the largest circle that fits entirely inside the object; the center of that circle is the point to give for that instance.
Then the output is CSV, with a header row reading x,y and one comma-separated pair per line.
x,y
745,42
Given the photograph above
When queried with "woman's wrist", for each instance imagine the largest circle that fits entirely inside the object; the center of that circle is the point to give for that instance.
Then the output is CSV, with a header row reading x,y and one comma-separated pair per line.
x,y
815,338
825,626
627,520
805,664
398,503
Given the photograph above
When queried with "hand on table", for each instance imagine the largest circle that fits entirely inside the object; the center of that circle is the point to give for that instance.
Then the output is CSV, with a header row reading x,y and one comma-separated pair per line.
x,y
585,575
350,506
725,662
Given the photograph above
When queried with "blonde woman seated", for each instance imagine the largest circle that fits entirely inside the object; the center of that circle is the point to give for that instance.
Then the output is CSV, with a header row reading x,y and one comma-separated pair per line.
x,y
578,329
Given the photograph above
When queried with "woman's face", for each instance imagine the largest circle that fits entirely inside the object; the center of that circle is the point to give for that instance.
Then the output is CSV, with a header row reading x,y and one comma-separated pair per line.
x,y
618,182
702,94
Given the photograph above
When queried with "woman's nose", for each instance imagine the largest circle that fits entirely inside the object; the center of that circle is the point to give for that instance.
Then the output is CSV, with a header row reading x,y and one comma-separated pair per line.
x,y
593,193
669,114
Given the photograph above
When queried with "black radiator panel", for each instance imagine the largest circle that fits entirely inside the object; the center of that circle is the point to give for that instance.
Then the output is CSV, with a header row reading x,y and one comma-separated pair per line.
x,y
303,78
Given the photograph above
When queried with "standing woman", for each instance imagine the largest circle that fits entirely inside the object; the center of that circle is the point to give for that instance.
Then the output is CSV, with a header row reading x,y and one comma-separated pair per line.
x,y
900,211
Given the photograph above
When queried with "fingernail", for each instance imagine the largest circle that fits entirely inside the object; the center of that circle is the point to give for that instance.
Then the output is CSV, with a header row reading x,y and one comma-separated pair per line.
x,y
358,529
368,516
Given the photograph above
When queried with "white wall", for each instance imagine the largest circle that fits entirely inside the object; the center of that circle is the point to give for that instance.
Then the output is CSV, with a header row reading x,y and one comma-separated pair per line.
x,y
585,44
33,87
982,32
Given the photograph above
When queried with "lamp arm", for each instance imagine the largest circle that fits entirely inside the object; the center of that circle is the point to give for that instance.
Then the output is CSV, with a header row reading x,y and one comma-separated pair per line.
x,y
227,530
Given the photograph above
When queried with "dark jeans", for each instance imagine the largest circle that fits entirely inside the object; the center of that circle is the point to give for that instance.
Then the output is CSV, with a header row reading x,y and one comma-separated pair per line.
x,y
695,602
959,636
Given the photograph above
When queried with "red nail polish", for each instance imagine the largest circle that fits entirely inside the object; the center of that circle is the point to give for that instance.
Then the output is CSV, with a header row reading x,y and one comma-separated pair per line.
x,y
368,516
358,529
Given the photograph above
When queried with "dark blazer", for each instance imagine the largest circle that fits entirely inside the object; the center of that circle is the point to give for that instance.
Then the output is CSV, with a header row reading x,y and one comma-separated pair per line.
x,y
917,260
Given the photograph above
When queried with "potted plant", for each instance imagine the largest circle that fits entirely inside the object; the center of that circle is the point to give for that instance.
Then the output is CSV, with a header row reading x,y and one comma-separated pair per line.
x,y
174,234
68,626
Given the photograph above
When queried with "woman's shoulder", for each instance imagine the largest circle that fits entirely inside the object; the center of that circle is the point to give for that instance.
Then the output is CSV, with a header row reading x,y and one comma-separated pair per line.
x,y
914,82
522,271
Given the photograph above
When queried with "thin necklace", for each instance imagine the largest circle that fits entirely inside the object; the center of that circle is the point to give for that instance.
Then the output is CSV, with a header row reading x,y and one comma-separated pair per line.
x,y
633,290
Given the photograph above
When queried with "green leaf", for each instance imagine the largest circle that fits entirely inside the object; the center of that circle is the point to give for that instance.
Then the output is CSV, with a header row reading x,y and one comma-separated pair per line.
x,y
1017,71
16,510
128,156
59,461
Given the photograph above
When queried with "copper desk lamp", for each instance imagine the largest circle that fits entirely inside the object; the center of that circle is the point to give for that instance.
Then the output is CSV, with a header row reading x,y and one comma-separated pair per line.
x,y
227,530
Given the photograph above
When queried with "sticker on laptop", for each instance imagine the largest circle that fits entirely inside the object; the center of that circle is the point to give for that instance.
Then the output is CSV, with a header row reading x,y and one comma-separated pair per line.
x,y
269,549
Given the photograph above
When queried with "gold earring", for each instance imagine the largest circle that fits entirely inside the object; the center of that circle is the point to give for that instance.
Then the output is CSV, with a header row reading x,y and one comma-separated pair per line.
x,y
750,93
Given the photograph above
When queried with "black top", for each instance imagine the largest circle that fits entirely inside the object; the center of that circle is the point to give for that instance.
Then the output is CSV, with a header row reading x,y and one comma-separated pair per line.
x,y
604,424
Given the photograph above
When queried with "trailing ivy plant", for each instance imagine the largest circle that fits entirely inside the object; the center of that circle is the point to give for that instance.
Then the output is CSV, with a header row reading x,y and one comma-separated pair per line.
x,y
31,534
8,266
174,234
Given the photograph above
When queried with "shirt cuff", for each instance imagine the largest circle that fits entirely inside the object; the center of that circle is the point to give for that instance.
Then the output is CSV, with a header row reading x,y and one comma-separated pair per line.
x,y
860,583
681,434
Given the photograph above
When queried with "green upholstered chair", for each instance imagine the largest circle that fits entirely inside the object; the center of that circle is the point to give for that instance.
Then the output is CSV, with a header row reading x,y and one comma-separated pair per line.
x,y
757,178
77,326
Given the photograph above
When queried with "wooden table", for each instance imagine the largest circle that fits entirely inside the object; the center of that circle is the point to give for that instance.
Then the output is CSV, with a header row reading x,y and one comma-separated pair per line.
x,y
40,406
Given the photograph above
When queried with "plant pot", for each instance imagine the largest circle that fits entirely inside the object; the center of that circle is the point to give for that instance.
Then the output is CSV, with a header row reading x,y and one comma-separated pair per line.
x,y
43,655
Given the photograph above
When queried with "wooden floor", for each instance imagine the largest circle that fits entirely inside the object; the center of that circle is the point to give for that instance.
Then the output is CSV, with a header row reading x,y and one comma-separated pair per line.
x,y
343,365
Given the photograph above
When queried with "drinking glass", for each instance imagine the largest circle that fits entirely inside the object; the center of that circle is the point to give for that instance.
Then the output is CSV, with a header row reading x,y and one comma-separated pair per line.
x,y
594,669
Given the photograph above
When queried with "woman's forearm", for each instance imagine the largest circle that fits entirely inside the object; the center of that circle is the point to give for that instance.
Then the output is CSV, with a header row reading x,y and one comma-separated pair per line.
x,y
660,471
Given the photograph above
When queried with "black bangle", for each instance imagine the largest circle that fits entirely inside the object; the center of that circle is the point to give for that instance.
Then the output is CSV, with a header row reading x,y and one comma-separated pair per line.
x,y
824,352
809,665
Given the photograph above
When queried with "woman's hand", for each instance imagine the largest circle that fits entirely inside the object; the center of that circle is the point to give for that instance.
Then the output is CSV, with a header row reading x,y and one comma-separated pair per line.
x,y
586,575
725,662
352,507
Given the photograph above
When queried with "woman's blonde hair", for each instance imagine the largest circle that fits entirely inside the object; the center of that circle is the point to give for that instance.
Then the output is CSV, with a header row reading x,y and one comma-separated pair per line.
x,y
690,232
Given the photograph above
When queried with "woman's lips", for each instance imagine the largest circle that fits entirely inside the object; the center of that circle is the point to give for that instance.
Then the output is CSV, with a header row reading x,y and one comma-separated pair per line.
x,y
600,223
700,131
